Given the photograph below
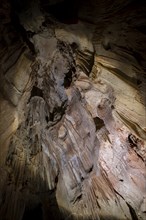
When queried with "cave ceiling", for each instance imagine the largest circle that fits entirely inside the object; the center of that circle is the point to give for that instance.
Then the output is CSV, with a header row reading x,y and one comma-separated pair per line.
x,y
72,110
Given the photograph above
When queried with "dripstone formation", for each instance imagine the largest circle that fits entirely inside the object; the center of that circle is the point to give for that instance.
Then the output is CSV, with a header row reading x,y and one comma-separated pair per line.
x,y
72,110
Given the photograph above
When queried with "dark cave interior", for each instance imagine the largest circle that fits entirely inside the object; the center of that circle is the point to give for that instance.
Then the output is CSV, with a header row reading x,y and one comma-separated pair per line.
x,y
70,13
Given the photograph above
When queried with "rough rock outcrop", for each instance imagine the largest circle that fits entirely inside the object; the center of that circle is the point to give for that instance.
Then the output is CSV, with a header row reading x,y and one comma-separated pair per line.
x,y
72,112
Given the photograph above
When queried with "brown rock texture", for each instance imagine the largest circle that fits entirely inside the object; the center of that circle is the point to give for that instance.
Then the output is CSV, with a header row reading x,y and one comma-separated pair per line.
x,y
72,111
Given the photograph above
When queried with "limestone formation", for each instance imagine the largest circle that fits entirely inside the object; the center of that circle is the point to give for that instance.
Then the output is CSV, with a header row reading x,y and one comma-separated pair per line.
x,y
72,111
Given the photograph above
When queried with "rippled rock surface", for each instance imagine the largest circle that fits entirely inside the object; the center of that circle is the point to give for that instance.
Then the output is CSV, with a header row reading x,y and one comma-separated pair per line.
x,y
72,110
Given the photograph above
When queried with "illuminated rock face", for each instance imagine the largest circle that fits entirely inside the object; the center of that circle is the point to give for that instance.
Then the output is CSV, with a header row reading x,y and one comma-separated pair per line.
x,y
72,114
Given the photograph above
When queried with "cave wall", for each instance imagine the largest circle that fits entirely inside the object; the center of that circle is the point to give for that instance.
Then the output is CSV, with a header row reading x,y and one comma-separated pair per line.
x,y
72,110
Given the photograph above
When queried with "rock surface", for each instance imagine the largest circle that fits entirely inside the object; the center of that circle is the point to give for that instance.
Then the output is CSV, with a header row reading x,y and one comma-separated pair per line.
x,y
72,112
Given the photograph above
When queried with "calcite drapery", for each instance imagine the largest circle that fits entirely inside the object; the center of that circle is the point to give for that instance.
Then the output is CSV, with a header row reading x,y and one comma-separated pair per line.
x,y
73,139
